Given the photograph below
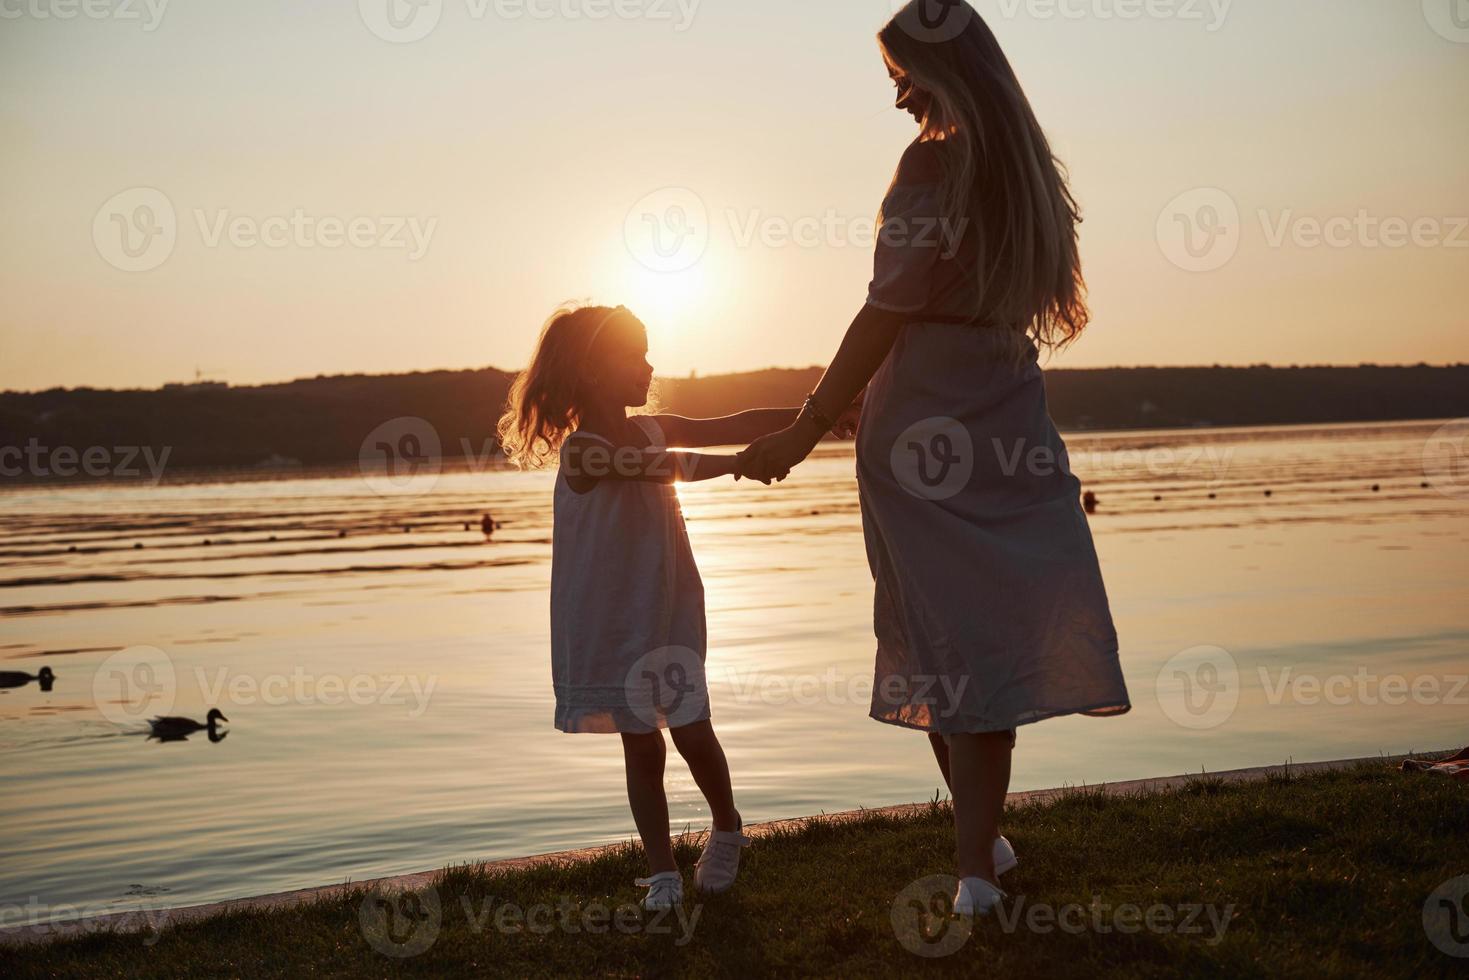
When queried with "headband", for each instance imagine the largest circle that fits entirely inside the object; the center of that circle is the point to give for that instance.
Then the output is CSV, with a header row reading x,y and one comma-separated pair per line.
x,y
598,331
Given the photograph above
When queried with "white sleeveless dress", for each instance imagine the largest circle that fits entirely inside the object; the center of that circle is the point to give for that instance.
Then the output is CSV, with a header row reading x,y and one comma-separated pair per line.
x,y
628,637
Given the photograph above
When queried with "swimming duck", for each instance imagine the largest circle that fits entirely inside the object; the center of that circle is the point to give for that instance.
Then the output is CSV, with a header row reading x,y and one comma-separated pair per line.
x,y
173,726
19,678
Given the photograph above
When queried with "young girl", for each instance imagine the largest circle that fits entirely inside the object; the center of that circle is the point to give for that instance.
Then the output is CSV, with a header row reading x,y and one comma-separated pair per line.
x,y
627,604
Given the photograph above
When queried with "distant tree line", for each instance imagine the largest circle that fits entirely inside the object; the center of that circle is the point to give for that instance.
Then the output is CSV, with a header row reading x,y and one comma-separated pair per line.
x,y
325,420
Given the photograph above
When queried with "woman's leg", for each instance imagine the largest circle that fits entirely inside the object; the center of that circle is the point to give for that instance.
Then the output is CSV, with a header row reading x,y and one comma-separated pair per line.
x,y
643,756
941,753
979,771
700,748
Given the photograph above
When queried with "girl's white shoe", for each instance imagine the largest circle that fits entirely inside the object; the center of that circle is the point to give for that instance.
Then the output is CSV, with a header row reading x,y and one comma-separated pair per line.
x,y
665,891
976,897
1005,859
720,861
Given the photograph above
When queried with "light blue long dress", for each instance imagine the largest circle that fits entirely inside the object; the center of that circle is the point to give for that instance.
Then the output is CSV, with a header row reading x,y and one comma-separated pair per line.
x,y
990,610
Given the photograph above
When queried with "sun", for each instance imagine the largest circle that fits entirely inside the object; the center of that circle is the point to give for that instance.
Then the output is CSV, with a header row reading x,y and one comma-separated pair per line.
x,y
675,307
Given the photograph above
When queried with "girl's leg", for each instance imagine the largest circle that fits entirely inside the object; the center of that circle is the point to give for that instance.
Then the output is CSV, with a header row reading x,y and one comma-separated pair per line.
x,y
700,748
643,756
941,753
979,768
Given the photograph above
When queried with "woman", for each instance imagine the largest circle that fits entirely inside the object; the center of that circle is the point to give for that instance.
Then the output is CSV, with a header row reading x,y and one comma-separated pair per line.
x,y
990,611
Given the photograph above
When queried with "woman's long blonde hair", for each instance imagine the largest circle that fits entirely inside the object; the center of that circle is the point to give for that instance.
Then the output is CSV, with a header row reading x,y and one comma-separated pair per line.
x,y
1001,181
544,406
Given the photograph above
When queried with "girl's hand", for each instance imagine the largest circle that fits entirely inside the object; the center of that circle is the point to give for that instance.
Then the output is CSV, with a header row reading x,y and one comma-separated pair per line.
x,y
772,457
746,465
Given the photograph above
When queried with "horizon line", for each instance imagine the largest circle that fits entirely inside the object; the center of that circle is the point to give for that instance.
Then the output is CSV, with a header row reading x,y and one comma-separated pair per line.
x,y
696,376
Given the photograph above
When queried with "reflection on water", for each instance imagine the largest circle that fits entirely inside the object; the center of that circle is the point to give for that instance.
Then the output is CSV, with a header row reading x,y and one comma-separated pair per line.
x,y
384,666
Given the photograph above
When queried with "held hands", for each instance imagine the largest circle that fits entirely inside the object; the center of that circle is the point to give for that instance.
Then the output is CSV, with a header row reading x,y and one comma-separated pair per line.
x,y
772,456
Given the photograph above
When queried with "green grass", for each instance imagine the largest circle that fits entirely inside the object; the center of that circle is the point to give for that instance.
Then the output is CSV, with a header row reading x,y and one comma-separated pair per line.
x,y
1319,875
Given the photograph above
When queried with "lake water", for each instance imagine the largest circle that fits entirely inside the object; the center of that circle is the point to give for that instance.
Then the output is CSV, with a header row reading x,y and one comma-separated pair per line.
x,y
388,689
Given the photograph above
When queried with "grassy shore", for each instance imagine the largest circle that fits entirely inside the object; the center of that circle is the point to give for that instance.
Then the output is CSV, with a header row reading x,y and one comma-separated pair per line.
x,y
1318,875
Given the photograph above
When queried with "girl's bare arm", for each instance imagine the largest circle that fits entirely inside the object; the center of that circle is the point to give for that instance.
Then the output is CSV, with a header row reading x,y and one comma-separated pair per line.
x,y
741,428
586,461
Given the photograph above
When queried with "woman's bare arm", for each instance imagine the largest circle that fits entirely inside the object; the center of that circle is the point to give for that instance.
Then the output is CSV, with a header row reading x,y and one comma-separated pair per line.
x,y
866,344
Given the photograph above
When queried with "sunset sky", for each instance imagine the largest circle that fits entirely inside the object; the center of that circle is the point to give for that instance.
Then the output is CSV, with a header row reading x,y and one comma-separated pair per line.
x,y
430,200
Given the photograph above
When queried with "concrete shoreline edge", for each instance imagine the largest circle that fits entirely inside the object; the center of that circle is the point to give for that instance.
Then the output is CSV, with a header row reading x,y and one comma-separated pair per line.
x,y
156,920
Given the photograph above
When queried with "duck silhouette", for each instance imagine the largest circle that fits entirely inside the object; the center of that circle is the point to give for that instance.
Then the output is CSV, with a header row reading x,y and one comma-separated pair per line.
x,y
173,728
19,678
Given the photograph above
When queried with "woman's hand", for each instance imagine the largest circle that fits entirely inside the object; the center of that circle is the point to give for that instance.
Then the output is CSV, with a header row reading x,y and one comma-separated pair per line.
x,y
772,457
846,423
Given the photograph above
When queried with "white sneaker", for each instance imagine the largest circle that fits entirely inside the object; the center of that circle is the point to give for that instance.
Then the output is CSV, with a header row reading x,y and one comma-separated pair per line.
x,y
1005,859
976,897
720,861
665,891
